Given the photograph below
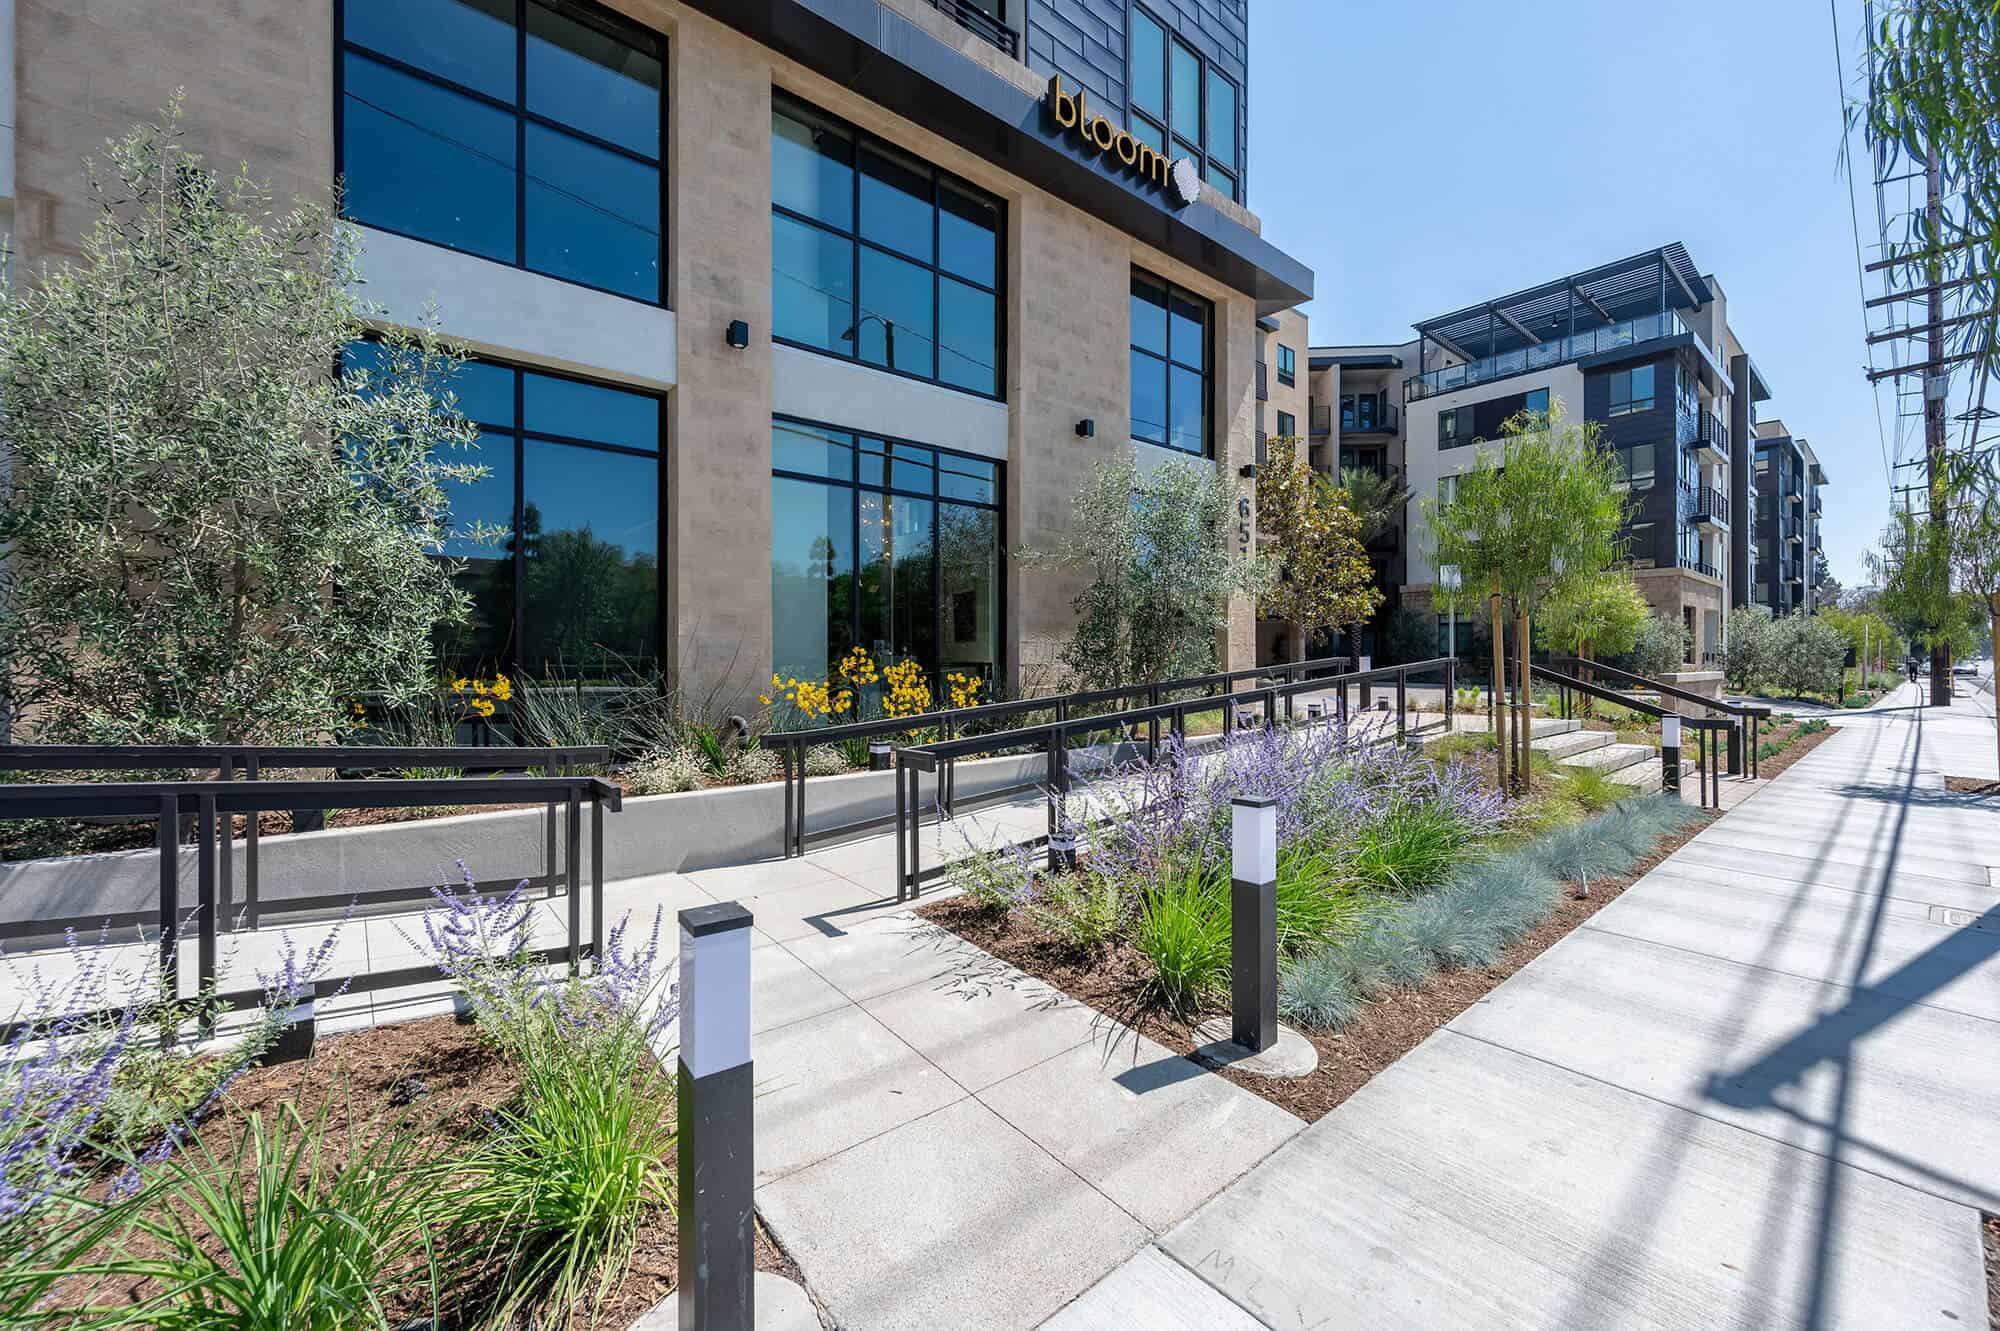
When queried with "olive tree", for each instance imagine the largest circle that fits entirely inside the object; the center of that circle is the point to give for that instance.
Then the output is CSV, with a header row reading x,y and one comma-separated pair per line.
x,y
1155,552
1808,656
1747,660
208,535
1528,525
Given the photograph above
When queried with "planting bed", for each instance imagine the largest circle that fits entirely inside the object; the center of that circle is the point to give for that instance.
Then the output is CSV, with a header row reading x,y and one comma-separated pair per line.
x,y
1786,740
1387,1028
1971,785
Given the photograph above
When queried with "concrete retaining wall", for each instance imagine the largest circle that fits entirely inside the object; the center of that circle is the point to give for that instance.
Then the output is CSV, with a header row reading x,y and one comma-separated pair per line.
x,y
654,834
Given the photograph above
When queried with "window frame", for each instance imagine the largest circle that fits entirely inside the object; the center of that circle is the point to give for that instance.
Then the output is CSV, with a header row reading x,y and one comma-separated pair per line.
x,y
1631,405
1288,366
1288,425
855,486
1207,364
523,117
518,434
859,139
1163,123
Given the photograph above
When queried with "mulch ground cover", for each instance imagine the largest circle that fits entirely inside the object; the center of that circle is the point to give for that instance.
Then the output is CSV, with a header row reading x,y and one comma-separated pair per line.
x,y
1990,1230
1971,785
1114,983
439,1080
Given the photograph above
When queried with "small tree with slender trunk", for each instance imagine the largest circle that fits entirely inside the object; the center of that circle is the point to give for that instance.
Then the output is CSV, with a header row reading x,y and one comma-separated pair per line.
x,y
1323,577
208,534
1526,526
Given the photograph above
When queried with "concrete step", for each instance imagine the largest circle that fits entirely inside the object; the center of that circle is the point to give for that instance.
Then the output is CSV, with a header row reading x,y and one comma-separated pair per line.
x,y
1567,745
1537,726
1614,757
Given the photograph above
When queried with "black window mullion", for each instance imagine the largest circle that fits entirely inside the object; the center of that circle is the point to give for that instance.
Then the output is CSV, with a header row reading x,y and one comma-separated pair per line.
x,y
520,134
518,649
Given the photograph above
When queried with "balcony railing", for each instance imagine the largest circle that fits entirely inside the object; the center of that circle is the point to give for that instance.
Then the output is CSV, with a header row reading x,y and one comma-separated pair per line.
x,y
1695,564
1263,386
1814,506
1543,354
1380,421
1711,503
977,21
1322,422
1710,436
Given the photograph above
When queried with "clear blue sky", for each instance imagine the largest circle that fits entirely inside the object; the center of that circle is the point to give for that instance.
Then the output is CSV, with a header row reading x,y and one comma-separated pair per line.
x,y
1420,157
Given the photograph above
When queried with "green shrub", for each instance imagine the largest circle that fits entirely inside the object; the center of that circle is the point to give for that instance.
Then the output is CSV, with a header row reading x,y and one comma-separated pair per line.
x,y
1414,846
826,760
1578,853
665,772
273,1238
1316,896
1461,744
1380,958
1508,892
1084,911
1314,990
1183,930
1452,932
1590,788
750,766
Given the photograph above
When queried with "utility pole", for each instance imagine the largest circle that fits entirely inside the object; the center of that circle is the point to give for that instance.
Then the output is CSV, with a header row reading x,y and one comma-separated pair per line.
x,y
1936,382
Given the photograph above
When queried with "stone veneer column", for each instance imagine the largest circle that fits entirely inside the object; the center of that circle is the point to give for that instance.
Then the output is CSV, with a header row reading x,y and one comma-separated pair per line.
x,y
1236,340
718,543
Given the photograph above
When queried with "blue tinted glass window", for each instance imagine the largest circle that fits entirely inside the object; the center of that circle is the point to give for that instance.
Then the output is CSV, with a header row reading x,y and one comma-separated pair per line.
x,y
1149,398
1187,410
1187,93
896,206
1221,119
487,502
1188,331
812,576
589,411
897,304
966,336
968,478
470,42
1149,65
812,166
813,450
422,159
589,74
871,280
593,216
910,469
485,392
812,285
1221,179
968,234
590,585
405,174
1149,315
1149,134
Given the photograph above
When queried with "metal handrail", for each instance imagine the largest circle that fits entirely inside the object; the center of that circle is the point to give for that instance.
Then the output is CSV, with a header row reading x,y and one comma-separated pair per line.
x,y
212,804
791,744
1703,726
1749,716
1054,739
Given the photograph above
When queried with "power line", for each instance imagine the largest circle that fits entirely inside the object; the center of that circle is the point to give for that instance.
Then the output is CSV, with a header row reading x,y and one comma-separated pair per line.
x,y
1854,226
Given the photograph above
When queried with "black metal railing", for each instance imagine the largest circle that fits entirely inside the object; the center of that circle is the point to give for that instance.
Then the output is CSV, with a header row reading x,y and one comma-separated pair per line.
x,y
1261,705
254,761
1710,502
213,807
1696,564
1381,420
1711,434
1746,716
982,24
1322,422
951,723
1707,729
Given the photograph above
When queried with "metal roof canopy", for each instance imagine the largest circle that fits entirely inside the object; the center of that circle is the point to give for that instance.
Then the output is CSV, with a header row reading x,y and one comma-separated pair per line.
x,y
1376,361
1648,283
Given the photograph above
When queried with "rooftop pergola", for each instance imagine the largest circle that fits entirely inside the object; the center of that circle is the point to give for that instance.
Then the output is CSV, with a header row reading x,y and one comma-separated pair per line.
x,y
1645,284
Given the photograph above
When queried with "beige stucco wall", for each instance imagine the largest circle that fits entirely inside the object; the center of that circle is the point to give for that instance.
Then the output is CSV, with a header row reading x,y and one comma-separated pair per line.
x,y
259,90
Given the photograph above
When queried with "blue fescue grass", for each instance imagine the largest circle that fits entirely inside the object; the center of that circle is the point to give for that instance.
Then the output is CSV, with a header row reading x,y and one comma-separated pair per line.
x,y
1481,910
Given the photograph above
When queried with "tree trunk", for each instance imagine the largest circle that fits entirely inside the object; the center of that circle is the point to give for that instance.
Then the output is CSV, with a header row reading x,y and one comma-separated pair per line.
x,y
1501,730
1298,641
1993,624
1525,728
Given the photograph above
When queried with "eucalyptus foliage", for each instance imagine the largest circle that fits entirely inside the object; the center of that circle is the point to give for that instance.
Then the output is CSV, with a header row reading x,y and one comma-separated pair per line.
x,y
208,535
1597,616
1155,550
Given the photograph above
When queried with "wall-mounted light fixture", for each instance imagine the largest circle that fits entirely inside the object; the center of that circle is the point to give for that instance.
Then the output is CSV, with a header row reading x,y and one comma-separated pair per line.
x,y
738,335
1248,471
1086,428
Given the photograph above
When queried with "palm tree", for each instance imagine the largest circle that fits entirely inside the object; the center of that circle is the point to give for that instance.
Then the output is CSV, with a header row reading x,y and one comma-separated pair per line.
x,y
1377,499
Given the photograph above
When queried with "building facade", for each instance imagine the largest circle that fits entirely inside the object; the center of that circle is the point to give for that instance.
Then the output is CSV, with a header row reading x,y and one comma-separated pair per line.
x,y
1642,347
790,319
1788,548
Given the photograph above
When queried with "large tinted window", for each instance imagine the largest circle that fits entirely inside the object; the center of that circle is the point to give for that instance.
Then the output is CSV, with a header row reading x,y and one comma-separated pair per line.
x,y
878,256
1181,104
526,131
575,484
1170,365
886,545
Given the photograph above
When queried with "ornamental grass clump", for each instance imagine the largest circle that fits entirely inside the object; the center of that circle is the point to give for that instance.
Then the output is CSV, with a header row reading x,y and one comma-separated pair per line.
x,y
548,1207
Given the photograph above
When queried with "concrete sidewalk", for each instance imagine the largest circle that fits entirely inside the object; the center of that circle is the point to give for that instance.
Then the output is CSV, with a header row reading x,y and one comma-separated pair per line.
x,y
1758,1090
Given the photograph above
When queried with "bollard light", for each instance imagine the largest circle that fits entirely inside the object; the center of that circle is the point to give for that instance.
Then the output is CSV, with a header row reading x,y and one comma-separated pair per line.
x,y
1253,923
1670,753
717,1170
878,755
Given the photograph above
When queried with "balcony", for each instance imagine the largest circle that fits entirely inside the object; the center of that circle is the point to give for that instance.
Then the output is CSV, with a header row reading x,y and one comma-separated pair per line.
x,y
1695,564
1382,419
1711,506
1814,505
1322,422
973,17
1543,354
1711,439
1263,385
1791,530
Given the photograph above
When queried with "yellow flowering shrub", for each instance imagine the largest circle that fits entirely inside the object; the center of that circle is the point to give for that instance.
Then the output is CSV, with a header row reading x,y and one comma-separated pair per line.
x,y
963,689
906,692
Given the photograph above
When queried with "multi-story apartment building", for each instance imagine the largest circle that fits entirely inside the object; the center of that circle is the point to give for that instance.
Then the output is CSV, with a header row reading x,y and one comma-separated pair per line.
x,y
1788,545
1282,412
1643,348
800,314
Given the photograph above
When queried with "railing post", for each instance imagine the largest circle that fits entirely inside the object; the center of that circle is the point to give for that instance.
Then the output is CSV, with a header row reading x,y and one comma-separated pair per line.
x,y
205,911
1450,691
573,876
716,1140
1670,752
170,891
253,770
1402,703
597,880
785,750
1062,840
1253,923
902,843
